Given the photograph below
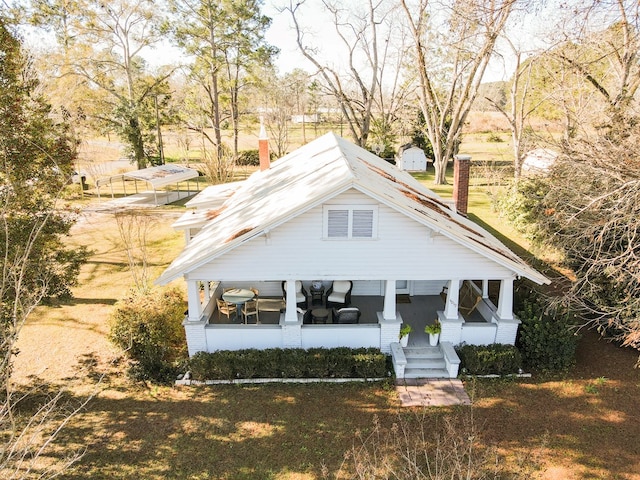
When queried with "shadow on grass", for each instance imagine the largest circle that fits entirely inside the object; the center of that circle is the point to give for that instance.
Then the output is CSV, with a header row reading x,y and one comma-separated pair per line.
x,y
303,431
223,431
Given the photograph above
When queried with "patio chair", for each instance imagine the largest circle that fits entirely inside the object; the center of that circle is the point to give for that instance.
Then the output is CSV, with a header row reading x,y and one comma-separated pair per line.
x,y
468,299
250,308
346,315
225,308
339,294
301,294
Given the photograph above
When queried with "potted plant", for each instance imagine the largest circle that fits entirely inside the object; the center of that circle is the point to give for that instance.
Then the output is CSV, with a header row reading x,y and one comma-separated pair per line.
x,y
405,330
433,330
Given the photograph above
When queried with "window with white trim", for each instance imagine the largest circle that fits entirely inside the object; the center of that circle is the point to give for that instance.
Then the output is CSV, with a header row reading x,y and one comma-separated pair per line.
x,y
350,221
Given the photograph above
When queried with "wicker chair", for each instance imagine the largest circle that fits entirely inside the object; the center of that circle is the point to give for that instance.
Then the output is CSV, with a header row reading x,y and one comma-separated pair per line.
x,y
346,315
339,294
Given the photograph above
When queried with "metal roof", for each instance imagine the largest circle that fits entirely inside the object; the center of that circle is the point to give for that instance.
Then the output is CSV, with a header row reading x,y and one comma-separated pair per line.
x,y
314,174
163,175
213,195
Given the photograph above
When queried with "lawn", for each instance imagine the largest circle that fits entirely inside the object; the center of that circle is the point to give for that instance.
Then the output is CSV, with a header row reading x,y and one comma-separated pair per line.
x,y
576,426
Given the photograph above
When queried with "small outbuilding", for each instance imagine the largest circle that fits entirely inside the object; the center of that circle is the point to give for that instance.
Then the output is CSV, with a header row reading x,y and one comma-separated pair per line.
x,y
158,178
539,161
412,159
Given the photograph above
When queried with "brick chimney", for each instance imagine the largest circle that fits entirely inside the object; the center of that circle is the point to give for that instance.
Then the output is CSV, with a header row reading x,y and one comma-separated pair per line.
x,y
263,148
461,166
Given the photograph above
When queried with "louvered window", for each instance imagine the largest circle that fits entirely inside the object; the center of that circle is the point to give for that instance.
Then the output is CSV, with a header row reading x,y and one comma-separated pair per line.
x,y
362,224
344,222
338,224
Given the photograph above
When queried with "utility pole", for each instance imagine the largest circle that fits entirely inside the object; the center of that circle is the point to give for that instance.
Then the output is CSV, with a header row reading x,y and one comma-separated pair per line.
x,y
160,149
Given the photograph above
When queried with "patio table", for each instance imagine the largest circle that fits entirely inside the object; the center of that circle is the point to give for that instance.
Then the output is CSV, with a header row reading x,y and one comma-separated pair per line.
x,y
238,296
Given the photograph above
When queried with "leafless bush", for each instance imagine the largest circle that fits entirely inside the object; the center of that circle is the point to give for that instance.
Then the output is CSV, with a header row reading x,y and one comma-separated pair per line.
x,y
134,227
219,168
490,175
426,446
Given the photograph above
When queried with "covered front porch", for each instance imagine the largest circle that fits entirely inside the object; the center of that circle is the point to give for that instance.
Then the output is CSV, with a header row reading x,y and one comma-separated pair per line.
x,y
383,306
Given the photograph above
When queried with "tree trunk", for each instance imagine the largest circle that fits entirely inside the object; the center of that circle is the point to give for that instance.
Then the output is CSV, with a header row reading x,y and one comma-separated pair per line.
x,y
137,143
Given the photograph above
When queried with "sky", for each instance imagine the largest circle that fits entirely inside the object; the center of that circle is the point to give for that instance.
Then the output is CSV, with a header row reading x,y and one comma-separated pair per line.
x,y
282,33
319,31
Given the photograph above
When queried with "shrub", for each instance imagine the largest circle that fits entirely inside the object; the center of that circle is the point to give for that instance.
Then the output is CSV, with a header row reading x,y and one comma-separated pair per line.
x,y
368,364
289,363
494,138
546,338
495,359
148,328
249,158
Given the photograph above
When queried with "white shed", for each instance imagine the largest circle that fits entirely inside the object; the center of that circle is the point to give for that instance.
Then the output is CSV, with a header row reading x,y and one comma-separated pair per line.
x,y
412,159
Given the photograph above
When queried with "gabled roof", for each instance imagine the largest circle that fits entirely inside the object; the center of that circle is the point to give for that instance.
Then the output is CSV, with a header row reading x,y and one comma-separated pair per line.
x,y
312,175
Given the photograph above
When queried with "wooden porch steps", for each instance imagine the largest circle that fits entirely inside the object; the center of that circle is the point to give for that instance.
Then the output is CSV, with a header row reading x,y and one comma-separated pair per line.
x,y
425,362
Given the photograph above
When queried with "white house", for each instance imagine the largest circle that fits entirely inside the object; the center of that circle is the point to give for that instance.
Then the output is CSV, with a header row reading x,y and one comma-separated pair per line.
x,y
329,213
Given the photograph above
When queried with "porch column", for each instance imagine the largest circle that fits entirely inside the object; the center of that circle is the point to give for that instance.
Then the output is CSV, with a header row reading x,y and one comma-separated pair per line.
x,y
505,301
453,296
389,309
193,300
485,288
291,313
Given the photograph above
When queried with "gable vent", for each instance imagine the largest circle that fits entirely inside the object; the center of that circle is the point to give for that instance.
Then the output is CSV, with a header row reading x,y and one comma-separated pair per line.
x,y
338,224
350,221
362,223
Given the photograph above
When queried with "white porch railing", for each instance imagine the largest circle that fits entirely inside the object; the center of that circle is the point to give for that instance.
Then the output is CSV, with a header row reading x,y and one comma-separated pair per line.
x,y
240,337
329,336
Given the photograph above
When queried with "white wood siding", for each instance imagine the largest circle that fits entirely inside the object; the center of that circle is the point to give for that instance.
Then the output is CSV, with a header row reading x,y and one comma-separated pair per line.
x,y
297,250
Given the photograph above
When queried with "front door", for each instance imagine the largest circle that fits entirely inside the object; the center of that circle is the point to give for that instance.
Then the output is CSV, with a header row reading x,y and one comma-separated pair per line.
x,y
403,287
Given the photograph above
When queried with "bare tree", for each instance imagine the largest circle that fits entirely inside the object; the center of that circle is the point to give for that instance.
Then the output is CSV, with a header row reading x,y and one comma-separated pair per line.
x,y
453,42
606,58
134,228
519,107
359,33
587,208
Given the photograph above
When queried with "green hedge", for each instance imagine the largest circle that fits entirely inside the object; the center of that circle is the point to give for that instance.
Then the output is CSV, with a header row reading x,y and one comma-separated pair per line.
x,y
547,338
289,363
495,359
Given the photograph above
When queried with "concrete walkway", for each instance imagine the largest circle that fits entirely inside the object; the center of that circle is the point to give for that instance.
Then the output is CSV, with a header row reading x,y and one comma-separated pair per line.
x,y
431,392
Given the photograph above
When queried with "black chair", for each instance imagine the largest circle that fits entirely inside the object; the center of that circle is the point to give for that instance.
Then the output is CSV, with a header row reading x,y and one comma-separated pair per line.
x,y
339,294
301,294
346,315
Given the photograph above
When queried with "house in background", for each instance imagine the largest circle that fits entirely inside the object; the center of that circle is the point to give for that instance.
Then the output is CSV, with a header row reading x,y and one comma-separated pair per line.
x,y
332,215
